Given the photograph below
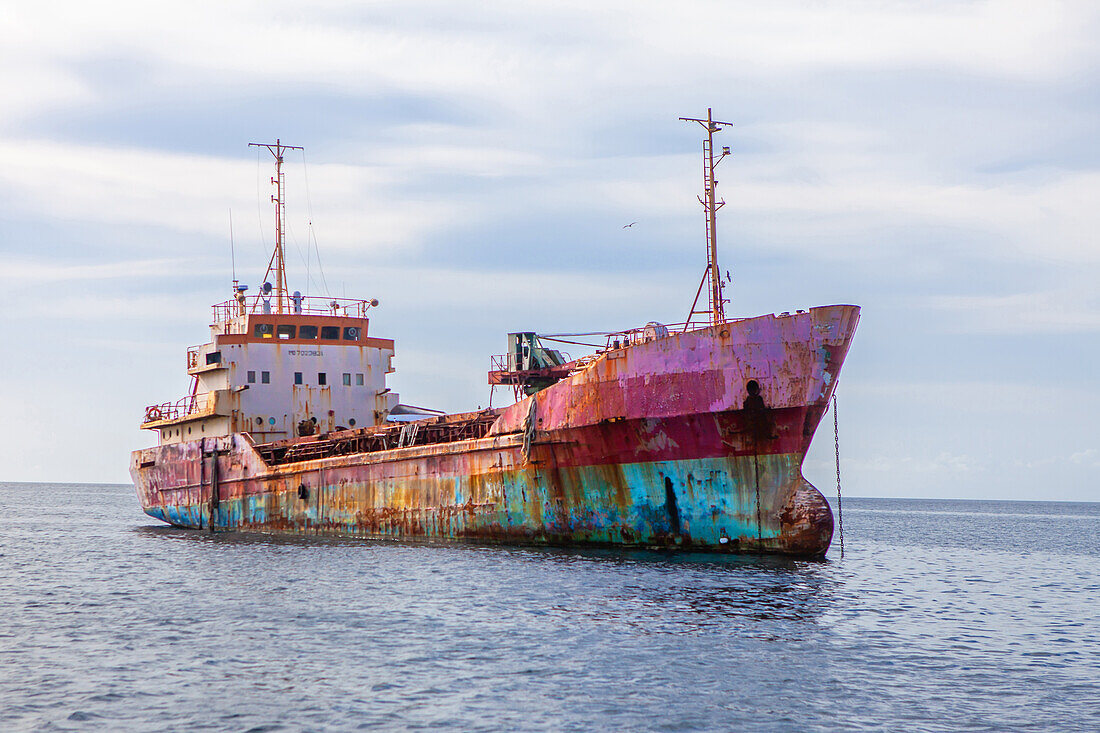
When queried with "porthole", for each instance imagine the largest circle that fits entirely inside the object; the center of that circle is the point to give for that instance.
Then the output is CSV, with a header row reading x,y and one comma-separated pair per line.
x,y
351,421
271,421
259,421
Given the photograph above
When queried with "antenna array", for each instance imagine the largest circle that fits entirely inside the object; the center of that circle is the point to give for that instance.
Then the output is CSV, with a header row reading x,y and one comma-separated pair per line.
x,y
712,275
277,264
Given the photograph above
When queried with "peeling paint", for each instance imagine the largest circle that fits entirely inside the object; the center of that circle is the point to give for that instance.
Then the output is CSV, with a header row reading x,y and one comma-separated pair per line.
x,y
661,447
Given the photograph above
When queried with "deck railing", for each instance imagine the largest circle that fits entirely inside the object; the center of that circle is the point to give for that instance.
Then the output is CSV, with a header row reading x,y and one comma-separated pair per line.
x,y
181,408
304,305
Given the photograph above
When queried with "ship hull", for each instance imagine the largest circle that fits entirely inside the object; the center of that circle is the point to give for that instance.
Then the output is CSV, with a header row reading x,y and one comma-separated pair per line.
x,y
663,444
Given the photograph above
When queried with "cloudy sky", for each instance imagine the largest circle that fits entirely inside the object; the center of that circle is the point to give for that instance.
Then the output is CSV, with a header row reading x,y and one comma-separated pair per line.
x,y
472,166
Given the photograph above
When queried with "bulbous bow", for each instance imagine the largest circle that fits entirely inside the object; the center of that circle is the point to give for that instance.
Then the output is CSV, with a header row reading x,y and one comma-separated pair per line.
x,y
806,522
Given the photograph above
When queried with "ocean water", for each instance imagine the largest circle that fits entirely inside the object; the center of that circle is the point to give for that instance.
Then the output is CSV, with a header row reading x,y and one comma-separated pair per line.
x,y
943,615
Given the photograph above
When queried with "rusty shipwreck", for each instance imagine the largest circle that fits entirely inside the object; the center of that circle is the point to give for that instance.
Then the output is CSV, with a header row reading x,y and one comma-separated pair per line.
x,y
688,435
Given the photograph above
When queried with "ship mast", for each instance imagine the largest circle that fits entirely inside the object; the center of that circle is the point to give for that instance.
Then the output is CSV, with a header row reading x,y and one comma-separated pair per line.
x,y
716,303
277,264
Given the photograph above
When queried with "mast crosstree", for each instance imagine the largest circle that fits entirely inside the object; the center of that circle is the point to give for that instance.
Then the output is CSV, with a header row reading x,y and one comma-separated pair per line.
x,y
277,264
712,275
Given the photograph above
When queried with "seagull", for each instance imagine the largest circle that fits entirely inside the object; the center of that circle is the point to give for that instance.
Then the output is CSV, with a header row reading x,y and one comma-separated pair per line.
x,y
627,226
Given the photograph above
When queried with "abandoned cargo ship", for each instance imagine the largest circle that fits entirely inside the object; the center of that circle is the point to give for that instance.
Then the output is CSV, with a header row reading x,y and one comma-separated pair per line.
x,y
684,436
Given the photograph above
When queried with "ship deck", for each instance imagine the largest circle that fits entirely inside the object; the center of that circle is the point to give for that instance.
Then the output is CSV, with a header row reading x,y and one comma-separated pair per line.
x,y
431,431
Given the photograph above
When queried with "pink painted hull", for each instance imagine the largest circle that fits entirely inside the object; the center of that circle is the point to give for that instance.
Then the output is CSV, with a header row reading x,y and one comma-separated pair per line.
x,y
656,444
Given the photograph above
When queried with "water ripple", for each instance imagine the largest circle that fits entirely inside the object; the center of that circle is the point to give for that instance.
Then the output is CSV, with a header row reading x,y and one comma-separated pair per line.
x,y
943,616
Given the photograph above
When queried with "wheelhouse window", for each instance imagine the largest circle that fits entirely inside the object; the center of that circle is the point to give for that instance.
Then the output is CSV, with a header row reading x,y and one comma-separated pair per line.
x,y
214,357
322,378
307,332
285,331
330,332
263,330
351,333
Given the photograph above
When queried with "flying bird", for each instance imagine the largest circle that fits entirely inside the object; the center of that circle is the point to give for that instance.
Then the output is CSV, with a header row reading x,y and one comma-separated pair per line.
x,y
627,226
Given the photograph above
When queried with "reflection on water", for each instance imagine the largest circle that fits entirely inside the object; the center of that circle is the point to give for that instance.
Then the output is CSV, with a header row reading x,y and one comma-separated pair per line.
x,y
712,589
943,616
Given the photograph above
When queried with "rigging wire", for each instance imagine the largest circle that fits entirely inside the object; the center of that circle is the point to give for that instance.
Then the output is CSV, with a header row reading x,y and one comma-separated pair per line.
x,y
232,249
311,232
564,341
304,258
259,206
320,267
297,246
553,336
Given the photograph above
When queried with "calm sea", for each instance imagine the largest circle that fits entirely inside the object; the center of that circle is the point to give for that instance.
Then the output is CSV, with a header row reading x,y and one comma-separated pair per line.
x,y
943,615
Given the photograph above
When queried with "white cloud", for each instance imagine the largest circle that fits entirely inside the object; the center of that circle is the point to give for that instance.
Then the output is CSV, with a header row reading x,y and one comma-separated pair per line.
x,y
551,110
1051,311
191,194
1015,37
524,57
1088,457
943,462
32,274
998,398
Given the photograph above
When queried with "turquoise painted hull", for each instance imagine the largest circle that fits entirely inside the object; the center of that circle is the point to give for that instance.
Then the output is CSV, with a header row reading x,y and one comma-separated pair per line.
x,y
719,504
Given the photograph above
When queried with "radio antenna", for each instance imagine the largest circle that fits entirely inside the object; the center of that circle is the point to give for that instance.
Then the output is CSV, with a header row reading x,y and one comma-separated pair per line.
x,y
712,274
277,264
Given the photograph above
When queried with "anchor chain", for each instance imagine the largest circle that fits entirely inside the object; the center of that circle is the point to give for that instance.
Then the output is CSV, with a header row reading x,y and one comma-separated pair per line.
x,y
839,507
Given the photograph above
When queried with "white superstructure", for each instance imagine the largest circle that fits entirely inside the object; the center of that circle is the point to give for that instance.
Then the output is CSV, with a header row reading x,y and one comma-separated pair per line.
x,y
313,369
